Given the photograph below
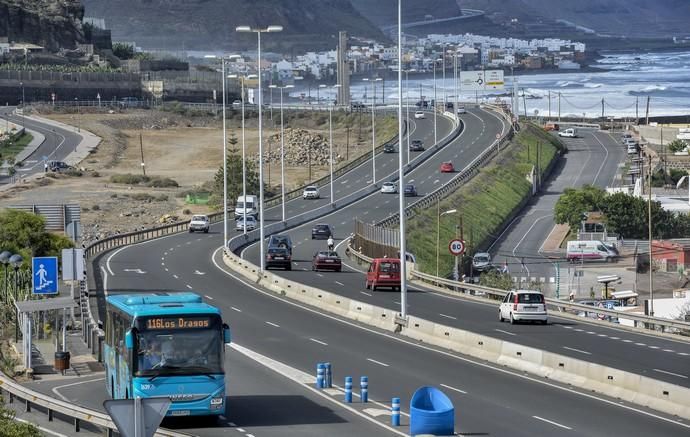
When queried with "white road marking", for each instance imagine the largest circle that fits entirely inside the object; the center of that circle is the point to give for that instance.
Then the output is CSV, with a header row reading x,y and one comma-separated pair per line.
x,y
577,350
683,354
208,297
236,309
552,422
505,332
640,344
56,390
670,373
378,362
365,293
615,338
448,317
340,283
654,347
176,277
188,286
669,350
318,341
453,388
166,269
627,341
273,324
319,275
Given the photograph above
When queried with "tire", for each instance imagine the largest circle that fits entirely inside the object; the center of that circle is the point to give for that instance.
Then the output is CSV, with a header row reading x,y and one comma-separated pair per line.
x,y
366,284
190,231
206,231
500,317
373,286
545,322
339,270
288,267
512,319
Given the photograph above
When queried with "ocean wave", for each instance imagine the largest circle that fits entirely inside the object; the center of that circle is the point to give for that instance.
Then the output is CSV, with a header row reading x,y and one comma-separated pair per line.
x,y
569,84
652,88
594,85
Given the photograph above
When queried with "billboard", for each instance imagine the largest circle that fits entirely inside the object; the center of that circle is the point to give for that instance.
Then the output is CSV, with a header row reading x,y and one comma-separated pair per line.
x,y
483,80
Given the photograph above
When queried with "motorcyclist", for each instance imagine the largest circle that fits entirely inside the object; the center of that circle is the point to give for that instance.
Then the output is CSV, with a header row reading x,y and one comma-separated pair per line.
x,y
330,242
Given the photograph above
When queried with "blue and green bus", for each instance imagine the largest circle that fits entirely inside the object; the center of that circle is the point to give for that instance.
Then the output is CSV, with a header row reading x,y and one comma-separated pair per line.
x,y
166,345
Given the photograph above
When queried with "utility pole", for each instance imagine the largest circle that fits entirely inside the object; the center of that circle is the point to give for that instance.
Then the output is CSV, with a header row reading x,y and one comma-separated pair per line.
x,y
602,109
347,143
524,102
559,107
637,111
141,148
549,105
647,114
651,259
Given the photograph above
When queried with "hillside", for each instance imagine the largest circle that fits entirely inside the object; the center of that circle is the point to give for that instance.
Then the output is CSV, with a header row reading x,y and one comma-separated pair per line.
x,y
631,18
210,24
385,12
52,24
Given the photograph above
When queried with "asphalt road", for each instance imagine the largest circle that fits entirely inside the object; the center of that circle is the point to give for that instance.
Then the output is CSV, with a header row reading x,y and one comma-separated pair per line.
x,y
57,145
588,160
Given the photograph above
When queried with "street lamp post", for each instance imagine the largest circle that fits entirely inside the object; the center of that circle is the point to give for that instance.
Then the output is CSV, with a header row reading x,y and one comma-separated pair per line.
x,y
258,32
16,262
5,259
373,128
401,179
407,106
282,146
438,228
76,101
434,105
330,142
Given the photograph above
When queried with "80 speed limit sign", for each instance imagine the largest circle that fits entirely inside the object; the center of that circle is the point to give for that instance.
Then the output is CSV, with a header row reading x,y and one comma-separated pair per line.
x,y
456,247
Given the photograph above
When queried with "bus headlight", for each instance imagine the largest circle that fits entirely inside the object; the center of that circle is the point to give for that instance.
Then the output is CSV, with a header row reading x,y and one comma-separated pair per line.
x,y
217,401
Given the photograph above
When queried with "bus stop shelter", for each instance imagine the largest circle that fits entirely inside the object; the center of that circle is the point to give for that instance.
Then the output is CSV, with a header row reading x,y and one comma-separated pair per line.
x,y
27,308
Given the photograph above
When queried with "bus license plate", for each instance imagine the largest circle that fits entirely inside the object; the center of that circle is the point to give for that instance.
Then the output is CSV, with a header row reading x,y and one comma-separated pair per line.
x,y
180,413
280,257
329,261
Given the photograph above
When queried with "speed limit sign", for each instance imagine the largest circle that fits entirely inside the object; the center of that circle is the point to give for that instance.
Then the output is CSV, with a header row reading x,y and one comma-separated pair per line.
x,y
456,247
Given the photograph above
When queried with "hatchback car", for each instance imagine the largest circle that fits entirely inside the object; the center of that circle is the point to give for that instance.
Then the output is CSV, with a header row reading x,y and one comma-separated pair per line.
x,y
280,241
447,167
311,192
199,223
481,261
417,146
326,260
278,257
410,190
519,305
419,114
251,223
389,188
389,148
321,232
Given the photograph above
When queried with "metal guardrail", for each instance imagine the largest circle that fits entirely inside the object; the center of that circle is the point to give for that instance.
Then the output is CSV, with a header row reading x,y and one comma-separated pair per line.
x,y
495,294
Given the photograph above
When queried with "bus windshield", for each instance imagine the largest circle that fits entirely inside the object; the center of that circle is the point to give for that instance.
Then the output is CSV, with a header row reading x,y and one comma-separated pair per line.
x,y
179,352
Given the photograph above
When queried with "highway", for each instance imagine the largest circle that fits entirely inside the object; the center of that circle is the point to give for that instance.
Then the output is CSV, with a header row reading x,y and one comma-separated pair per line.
x,y
300,336
57,145
659,358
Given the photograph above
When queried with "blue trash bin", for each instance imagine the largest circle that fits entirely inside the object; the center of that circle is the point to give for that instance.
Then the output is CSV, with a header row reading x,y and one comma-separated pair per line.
x,y
431,412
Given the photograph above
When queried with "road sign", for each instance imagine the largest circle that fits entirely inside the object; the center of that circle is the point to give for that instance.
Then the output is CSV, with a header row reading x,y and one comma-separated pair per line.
x,y
609,305
482,80
72,264
493,80
456,247
44,271
137,417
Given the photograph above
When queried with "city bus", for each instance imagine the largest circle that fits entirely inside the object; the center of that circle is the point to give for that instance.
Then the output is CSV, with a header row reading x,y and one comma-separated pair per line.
x,y
166,345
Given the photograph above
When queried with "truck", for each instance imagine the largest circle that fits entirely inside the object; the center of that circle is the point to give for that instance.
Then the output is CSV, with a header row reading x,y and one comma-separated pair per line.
x,y
568,133
246,205
590,250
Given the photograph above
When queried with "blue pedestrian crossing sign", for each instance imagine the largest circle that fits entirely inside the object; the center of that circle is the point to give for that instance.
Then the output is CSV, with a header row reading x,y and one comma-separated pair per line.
x,y
44,273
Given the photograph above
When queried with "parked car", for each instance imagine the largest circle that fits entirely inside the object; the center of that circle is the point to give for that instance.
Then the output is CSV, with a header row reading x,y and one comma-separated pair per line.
x,y
481,261
447,167
357,106
589,250
130,102
278,257
326,260
251,223
519,305
237,104
417,146
632,149
449,105
311,192
280,241
58,166
321,231
383,272
389,188
419,114
410,190
389,148
199,223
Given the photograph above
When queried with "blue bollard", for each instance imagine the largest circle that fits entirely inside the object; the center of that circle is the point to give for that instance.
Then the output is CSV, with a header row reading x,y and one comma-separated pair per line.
x,y
364,389
395,412
320,371
328,379
348,389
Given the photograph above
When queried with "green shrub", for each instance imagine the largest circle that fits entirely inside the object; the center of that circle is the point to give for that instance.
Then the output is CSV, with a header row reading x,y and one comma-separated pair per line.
x,y
96,208
129,179
158,182
143,197
162,198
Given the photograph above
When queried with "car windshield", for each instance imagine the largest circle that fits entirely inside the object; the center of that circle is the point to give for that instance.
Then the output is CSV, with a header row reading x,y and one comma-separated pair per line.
x,y
389,267
310,189
322,227
530,298
199,218
481,258
179,352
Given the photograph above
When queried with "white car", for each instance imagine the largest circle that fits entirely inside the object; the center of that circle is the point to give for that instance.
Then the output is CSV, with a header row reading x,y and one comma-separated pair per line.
x,y
199,223
389,187
419,114
237,104
251,223
461,109
311,192
519,305
568,133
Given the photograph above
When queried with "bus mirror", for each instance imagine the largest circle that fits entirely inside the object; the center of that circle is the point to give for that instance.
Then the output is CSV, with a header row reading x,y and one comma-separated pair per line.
x,y
227,338
129,340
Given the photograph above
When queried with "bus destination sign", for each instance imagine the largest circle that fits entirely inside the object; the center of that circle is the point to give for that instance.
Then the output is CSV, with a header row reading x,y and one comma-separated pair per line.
x,y
178,322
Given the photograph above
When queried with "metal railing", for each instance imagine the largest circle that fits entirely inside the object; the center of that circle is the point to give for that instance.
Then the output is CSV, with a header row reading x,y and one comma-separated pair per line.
x,y
495,295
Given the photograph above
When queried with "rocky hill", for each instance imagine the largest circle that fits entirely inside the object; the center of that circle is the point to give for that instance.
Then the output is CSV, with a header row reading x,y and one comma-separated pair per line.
x,y
53,24
385,12
210,24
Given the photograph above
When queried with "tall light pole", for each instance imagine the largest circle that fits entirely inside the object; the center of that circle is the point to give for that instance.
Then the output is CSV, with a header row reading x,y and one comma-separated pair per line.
x,y
434,105
282,145
258,32
330,142
244,162
401,180
438,228
373,128
407,106
223,59
76,101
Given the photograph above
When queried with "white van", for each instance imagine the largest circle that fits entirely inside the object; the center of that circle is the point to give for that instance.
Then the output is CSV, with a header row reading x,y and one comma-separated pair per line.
x,y
249,206
591,250
568,133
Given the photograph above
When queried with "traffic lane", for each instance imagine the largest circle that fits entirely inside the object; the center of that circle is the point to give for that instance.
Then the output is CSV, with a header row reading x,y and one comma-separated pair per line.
x,y
617,155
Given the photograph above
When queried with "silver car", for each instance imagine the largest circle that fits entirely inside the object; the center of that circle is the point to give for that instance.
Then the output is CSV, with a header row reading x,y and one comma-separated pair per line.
x,y
389,188
251,223
311,192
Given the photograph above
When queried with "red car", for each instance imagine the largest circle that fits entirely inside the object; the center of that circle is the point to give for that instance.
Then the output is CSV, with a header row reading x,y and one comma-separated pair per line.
x,y
447,167
326,260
